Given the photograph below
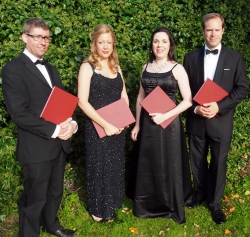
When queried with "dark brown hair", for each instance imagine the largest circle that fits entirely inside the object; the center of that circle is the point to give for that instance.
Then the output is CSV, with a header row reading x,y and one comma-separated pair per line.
x,y
171,53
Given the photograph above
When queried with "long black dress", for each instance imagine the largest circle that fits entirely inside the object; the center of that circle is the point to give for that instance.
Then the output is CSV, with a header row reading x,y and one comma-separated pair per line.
x,y
163,182
104,157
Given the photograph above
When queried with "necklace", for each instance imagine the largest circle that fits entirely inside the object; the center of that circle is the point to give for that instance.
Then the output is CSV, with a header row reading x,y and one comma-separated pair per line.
x,y
156,68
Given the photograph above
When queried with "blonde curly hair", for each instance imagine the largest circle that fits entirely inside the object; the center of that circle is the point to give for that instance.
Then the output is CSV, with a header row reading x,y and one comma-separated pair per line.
x,y
113,61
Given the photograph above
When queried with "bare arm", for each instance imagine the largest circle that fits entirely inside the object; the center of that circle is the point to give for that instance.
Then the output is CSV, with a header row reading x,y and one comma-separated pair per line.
x,y
124,91
140,97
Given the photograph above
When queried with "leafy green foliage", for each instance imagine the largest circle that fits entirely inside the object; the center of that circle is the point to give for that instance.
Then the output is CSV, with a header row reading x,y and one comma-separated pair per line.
x,y
133,21
10,172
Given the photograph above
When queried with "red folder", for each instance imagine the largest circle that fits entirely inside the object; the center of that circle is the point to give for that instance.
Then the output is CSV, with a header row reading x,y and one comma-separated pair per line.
x,y
210,92
59,106
116,113
159,102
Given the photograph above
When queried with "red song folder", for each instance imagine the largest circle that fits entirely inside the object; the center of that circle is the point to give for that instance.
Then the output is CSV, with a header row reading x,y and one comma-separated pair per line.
x,y
116,113
210,92
59,106
159,102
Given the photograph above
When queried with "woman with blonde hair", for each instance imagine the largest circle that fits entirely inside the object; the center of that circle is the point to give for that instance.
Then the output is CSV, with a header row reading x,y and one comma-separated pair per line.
x,y
100,82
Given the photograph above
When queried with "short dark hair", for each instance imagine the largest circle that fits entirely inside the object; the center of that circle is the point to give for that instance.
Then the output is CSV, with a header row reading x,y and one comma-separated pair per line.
x,y
211,16
34,23
171,53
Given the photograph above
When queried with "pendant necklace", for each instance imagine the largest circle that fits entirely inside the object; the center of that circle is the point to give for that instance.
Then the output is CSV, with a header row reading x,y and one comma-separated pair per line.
x,y
156,68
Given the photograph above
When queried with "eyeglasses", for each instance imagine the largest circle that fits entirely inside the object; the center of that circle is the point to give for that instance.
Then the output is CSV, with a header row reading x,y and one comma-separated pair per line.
x,y
39,38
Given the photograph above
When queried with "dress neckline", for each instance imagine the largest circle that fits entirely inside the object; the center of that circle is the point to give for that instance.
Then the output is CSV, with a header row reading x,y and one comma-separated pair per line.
x,y
160,72
157,72
98,73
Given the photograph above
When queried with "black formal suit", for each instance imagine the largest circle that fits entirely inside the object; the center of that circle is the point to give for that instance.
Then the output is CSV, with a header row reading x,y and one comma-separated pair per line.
x,y
214,133
25,93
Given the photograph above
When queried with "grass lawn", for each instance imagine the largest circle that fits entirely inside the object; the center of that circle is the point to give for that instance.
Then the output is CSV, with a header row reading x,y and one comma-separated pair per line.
x,y
73,215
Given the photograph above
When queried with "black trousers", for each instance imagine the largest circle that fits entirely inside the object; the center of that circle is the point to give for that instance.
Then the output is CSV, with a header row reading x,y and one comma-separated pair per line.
x,y
209,177
41,197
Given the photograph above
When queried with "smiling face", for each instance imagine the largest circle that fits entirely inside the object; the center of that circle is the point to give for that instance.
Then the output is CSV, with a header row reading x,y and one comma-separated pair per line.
x,y
36,48
213,32
104,45
161,45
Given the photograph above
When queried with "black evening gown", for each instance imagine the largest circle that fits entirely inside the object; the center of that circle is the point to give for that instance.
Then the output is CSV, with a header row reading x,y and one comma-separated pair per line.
x,y
104,157
163,183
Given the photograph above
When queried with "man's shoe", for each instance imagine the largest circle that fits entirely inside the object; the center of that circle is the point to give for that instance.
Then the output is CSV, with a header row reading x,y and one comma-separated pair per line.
x,y
195,203
64,233
218,216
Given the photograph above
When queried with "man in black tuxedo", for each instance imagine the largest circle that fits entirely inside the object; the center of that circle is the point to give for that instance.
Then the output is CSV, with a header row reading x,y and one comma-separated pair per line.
x,y
210,125
42,145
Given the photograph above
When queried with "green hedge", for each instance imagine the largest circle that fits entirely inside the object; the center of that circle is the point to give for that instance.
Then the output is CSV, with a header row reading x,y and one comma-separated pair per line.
x,y
133,21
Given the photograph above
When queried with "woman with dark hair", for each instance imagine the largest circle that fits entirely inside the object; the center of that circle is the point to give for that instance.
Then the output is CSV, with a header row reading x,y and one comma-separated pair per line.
x,y
100,83
163,183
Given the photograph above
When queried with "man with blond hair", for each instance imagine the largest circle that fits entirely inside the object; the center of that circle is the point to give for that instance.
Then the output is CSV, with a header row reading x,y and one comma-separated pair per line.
x,y
210,125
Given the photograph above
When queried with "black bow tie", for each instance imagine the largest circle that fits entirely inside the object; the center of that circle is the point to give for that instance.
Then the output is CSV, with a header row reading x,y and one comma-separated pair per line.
x,y
44,61
215,51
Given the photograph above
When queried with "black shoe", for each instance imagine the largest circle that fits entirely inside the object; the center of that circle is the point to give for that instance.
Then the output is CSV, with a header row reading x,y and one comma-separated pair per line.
x,y
218,216
195,203
64,233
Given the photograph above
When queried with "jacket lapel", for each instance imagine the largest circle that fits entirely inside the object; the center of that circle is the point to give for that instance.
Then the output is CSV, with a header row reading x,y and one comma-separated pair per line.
x,y
220,66
200,67
30,66
49,70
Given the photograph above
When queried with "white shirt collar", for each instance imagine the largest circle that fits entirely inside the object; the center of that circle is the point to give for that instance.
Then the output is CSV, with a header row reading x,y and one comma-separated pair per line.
x,y
30,55
218,47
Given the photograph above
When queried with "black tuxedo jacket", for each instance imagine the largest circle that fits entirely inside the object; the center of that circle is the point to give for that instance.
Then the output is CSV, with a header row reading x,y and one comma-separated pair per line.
x,y
231,75
25,93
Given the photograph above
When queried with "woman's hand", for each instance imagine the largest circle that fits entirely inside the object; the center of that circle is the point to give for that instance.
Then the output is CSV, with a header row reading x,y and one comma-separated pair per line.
x,y
120,130
111,130
134,133
158,118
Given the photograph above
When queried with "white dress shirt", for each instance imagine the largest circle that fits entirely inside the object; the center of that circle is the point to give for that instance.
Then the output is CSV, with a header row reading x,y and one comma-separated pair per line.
x,y
41,67
210,63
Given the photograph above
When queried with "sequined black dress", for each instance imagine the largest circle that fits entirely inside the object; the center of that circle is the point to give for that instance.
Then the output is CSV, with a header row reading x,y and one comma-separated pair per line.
x,y
163,182
104,157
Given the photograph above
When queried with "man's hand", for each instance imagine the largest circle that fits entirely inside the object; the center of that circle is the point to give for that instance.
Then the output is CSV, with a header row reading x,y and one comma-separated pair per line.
x,y
67,129
207,110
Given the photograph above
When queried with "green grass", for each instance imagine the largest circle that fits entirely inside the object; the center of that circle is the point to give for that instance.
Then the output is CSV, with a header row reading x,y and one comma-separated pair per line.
x,y
73,215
